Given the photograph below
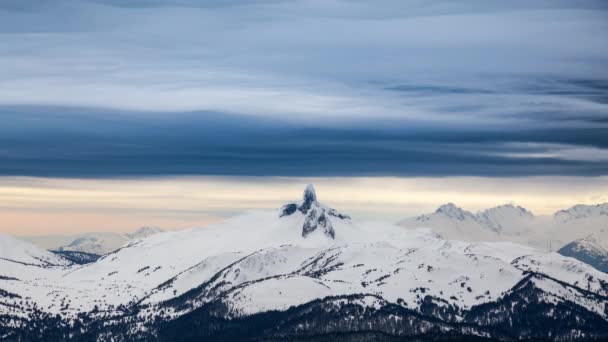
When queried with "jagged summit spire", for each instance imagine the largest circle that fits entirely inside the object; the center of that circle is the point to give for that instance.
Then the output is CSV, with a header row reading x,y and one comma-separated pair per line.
x,y
316,216
309,193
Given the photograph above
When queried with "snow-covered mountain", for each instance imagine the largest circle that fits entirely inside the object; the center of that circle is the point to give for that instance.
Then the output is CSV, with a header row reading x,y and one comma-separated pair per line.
x,y
506,219
580,221
305,271
588,251
516,224
494,224
93,243
317,216
582,212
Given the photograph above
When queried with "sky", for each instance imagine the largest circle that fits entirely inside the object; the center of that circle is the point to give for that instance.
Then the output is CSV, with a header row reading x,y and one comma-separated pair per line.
x,y
113,95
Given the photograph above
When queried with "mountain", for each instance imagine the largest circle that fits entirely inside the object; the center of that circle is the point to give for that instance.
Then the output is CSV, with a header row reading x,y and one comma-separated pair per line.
x,y
580,221
98,243
94,243
317,216
516,224
306,272
492,224
588,251
506,219
581,211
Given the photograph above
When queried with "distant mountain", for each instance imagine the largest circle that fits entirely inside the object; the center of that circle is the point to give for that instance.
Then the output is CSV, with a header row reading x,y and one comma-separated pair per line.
x,y
506,218
305,272
514,223
95,243
452,211
98,243
453,222
582,212
588,251
579,222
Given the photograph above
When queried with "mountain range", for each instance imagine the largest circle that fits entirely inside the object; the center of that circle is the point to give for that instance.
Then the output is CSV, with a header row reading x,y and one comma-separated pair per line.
x,y
514,223
304,272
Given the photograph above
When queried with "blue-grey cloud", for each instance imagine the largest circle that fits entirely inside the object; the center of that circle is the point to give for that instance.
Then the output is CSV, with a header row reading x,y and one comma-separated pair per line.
x,y
70,142
152,87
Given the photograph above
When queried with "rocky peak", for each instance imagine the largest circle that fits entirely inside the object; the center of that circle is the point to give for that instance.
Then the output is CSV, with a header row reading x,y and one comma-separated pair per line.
x,y
451,210
308,199
510,208
309,194
504,216
581,211
316,216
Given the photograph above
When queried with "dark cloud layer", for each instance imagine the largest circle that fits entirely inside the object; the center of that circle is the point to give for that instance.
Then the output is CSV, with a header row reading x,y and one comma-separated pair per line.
x,y
69,142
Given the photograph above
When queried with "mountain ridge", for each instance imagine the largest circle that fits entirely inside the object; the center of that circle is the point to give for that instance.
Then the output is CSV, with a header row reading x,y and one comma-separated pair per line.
x,y
510,222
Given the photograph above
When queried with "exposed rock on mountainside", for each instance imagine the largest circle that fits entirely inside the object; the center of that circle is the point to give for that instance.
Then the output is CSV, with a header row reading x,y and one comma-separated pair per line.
x,y
316,215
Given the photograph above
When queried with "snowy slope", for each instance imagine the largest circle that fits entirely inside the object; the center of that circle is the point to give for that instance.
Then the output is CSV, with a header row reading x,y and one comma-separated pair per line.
x,y
306,256
588,251
22,252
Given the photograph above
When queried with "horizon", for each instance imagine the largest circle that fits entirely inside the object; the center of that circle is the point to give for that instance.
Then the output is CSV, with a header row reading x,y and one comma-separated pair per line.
x,y
122,206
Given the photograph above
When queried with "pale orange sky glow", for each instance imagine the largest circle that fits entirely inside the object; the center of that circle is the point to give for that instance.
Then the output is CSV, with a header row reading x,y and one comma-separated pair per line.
x,y
41,206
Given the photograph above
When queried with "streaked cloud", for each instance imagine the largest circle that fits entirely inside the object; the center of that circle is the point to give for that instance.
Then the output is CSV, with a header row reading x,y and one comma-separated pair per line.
x,y
85,142
111,88
556,151
307,60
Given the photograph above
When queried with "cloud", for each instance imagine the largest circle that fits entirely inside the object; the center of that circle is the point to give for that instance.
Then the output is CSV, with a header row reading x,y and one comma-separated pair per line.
x,y
319,58
297,87
555,151
86,142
